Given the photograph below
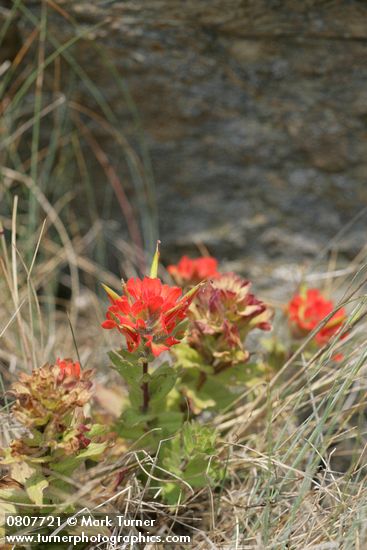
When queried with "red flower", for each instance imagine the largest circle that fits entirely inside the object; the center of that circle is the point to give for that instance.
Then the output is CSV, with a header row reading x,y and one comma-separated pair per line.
x,y
308,309
148,314
67,369
192,271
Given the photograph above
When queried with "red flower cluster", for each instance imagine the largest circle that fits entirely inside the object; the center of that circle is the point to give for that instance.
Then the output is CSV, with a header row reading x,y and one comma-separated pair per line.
x,y
148,313
192,271
49,394
221,318
67,369
308,309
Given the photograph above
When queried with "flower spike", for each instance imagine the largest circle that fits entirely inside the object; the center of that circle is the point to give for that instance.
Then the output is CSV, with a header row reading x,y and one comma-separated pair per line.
x,y
225,312
148,314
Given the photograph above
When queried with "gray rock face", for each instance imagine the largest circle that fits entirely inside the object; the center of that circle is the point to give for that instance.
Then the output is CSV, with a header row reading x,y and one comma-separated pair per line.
x,y
254,113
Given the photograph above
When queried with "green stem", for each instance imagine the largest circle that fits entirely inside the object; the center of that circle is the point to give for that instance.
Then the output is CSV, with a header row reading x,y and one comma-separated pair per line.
x,y
201,380
145,389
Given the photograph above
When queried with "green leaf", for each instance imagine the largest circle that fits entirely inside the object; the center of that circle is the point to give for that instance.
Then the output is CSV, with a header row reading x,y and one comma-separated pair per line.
x,y
132,417
128,365
59,491
162,381
171,493
14,494
97,430
190,455
130,433
187,357
93,451
198,439
35,486
217,391
170,422
240,374
136,397
67,466
195,471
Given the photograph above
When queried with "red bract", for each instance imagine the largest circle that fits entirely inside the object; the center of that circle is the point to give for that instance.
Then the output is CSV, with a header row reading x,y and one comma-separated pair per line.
x,y
221,318
192,271
308,309
82,439
68,369
50,394
148,314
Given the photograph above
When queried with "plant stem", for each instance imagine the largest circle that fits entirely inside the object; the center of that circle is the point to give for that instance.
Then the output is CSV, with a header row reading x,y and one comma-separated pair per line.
x,y
201,380
145,389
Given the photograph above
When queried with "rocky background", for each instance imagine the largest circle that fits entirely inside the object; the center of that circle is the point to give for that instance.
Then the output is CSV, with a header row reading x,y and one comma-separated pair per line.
x,y
254,113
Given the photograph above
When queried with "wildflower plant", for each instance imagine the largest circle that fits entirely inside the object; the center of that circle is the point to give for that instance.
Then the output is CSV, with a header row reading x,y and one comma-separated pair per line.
x,y
184,351
215,358
191,456
57,439
152,317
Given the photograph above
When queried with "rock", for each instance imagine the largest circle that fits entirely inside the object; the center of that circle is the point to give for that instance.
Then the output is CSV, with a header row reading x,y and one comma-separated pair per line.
x,y
254,112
